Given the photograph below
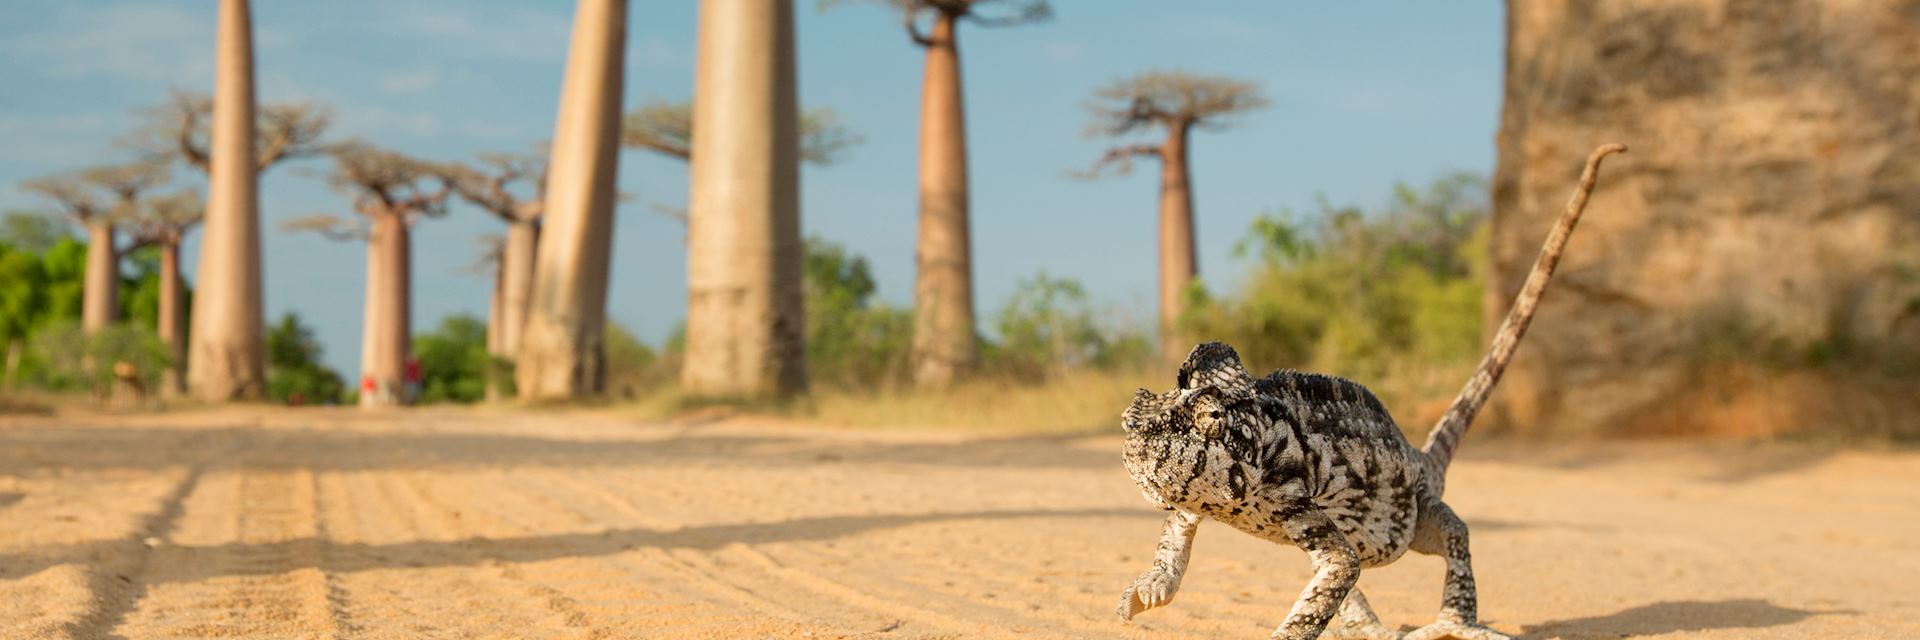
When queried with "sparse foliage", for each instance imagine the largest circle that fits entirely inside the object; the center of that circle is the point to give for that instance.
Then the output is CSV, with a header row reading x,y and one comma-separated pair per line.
x,y
990,13
666,128
1169,100
178,129
510,186
1360,293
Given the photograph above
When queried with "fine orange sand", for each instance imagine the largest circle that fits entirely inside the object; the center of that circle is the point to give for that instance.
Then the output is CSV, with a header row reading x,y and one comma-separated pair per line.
x,y
460,524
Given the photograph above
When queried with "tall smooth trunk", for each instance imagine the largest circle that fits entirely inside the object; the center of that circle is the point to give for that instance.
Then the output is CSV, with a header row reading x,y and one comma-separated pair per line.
x,y
1177,262
228,356
745,325
496,308
943,332
384,341
562,354
173,323
100,297
516,283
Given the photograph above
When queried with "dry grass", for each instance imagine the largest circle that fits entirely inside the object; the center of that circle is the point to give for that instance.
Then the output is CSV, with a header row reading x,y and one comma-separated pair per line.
x,y
1081,402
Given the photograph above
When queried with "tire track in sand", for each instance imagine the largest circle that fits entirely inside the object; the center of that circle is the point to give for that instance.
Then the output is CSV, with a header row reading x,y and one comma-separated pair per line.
x,y
616,581
245,563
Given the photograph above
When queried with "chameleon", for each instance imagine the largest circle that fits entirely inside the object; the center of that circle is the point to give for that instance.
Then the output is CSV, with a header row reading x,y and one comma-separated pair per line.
x,y
1316,462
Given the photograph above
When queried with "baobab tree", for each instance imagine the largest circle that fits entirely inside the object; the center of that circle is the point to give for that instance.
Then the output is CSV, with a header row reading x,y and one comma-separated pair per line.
x,y
745,321
943,331
740,348
1177,103
227,359
163,223
562,353
79,196
496,187
390,192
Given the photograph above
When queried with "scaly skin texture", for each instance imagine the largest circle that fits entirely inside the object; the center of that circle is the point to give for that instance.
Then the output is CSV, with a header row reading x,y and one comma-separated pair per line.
x,y
1316,462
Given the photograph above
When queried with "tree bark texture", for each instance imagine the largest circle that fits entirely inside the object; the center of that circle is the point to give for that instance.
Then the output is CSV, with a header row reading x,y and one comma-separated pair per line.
x,y
943,336
386,338
1178,264
100,296
562,355
228,359
745,325
173,320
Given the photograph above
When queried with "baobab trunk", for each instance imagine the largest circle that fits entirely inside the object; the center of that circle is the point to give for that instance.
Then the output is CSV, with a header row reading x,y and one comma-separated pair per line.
x,y
1177,263
384,347
172,323
496,309
744,319
516,283
100,299
561,350
943,340
228,358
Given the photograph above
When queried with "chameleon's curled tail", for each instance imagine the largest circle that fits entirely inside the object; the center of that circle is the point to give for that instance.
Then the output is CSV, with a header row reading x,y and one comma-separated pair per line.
x,y
1445,436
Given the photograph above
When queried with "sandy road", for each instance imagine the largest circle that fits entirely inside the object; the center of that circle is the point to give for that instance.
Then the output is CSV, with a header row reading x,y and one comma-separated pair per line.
x,y
323,524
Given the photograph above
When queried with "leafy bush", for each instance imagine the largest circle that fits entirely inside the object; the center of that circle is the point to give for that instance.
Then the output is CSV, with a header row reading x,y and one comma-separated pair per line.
x,y
1048,328
852,340
453,360
1366,294
294,372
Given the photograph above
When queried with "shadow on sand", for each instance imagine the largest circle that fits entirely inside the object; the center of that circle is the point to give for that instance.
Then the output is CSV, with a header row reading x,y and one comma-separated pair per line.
x,y
1676,617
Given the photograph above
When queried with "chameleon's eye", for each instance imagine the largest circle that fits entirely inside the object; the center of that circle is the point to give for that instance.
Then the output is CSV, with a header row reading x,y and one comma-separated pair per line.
x,y
1214,414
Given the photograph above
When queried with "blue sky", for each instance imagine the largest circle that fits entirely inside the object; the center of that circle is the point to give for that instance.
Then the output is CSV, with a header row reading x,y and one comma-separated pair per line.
x,y
1364,95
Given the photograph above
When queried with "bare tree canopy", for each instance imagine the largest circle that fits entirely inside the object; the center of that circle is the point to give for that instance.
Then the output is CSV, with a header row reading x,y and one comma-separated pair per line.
x,y
165,220
989,13
666,128
80,193
1170,99
494,184
327,225
179,129
383,182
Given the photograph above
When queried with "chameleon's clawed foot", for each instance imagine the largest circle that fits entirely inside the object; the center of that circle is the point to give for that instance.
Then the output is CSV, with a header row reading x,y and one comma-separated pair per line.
x,y
1459,630
1368,630
1152,589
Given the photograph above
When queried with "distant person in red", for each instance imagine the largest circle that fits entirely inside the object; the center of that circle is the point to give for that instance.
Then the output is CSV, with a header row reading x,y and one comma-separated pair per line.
x,y
414,379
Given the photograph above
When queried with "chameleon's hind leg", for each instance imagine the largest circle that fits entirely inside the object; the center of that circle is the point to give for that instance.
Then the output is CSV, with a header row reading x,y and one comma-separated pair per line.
x,y
1357,621
1441,533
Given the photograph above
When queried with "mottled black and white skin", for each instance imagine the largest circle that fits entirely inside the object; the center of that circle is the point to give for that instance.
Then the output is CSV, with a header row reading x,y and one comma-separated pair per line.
x,y
1316,462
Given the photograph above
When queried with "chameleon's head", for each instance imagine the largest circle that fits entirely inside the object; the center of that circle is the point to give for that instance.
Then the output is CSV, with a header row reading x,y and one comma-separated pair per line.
x,y
1209,384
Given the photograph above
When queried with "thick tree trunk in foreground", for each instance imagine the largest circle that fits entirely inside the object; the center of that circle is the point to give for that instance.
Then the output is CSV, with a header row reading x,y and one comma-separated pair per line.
x,y
386,336
100,296
943,332
1738,274
561,350
744,319
228,358
173,321
1178,265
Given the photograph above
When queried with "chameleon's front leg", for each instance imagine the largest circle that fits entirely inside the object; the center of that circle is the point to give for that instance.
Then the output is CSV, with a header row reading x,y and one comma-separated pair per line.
x,y
1335,569
1156,587
1442,533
